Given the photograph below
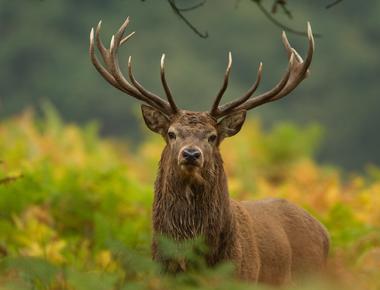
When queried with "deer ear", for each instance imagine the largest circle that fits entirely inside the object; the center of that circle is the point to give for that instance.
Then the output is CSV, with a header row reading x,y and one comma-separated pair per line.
x,y
155,120
231,124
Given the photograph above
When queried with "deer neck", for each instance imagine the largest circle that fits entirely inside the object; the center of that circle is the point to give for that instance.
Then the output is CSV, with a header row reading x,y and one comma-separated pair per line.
x,y
189,207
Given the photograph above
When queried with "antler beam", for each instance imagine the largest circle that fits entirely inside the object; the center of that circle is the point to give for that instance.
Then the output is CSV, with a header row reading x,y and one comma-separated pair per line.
x,y
297,71
112,73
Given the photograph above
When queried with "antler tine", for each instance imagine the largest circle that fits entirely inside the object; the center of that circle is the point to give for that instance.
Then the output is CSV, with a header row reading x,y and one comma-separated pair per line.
x,y
106,56
266,97
111,69
119,34
297,71
137,90
118,75
214,109
100,68
169,95
103,51
163,105
226,108
304,70
125,39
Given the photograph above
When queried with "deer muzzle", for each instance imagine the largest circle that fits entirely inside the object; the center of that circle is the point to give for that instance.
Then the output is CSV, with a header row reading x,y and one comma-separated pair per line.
x,y
190,157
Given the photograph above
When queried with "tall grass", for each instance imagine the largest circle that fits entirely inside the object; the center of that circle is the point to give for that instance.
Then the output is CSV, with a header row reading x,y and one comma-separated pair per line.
x,y
75,208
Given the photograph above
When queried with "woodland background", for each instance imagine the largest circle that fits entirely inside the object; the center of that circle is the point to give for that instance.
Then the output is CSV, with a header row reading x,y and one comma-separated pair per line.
x,y
77,165
43,56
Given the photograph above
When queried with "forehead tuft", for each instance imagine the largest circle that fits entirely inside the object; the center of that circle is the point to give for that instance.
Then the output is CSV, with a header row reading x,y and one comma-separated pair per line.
x,y
195,120
188,118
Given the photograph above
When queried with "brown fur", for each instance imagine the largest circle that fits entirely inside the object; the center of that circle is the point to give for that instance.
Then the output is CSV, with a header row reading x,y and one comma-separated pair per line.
x,y
271,241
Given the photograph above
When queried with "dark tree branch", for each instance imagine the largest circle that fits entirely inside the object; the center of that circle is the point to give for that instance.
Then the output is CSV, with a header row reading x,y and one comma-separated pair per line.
x,y
282,4
184,19
279,24
9,179
269,15
333,4
192,7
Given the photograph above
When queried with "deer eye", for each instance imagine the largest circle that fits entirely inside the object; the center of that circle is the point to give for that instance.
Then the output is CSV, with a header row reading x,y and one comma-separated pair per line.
x,y
212,138
171,135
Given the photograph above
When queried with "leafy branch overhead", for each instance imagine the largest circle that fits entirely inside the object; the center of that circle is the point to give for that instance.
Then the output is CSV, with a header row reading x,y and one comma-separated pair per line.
x,y
269,14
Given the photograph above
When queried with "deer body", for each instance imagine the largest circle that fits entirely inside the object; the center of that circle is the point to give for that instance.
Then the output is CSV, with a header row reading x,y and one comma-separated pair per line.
x,y
270,241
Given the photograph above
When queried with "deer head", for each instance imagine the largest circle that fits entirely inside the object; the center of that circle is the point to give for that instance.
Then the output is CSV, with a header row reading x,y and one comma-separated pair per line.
x,y
193,138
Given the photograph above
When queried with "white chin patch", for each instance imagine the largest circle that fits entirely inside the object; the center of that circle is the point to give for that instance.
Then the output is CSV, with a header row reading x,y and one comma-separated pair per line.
x,y
192,173
188,168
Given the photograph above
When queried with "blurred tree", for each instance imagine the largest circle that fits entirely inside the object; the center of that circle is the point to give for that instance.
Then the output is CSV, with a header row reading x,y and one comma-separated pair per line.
x,y
44,47
276,5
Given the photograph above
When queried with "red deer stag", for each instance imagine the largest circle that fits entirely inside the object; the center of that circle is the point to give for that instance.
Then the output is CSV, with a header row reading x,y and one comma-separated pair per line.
x,y
270,241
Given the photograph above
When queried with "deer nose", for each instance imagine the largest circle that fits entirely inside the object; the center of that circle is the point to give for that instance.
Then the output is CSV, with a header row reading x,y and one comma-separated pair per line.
x,y
191,154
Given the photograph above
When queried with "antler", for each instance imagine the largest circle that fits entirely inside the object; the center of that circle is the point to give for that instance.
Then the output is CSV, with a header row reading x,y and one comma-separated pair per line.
x,y
297,71
111,71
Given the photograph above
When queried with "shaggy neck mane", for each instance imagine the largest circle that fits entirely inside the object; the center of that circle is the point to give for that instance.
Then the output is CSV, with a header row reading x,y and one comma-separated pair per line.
x,y
186,207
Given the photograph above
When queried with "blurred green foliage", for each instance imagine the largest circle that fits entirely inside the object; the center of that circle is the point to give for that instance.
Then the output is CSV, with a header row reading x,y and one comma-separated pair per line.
x,y
75,209
44,56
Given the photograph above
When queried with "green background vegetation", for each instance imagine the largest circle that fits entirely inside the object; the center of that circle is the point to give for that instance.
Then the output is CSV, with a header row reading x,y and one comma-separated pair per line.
x,y
43,55
75,209
77,172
